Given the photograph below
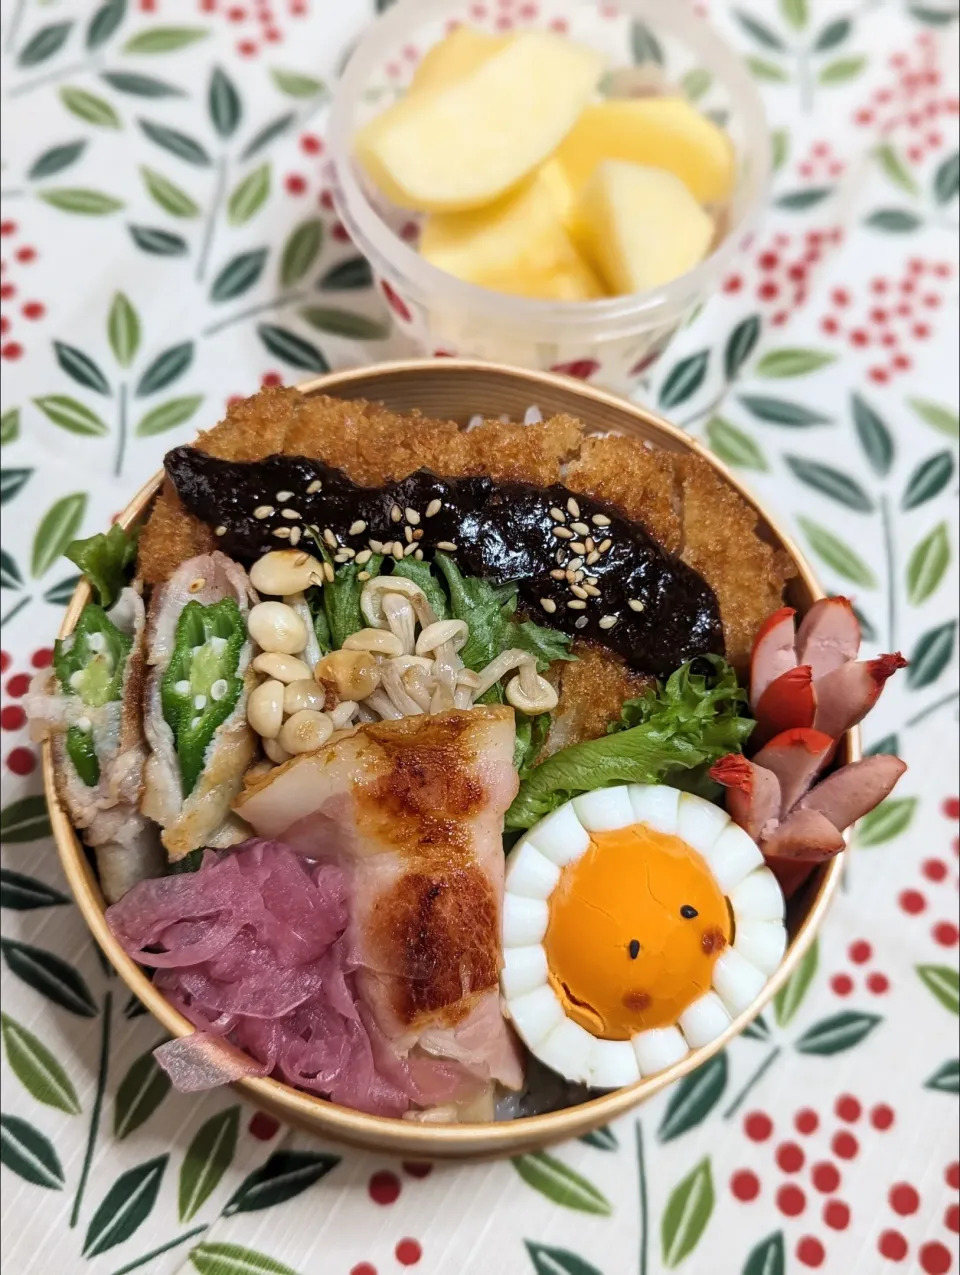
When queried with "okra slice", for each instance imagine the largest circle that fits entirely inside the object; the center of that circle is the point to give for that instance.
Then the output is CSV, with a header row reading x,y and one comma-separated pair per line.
x,y
200,687
90,664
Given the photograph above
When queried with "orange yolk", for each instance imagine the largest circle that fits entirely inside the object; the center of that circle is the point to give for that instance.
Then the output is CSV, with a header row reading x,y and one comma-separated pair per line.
x,y
636,925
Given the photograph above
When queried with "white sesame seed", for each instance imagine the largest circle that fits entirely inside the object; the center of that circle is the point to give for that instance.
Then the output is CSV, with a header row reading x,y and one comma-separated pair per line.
x,y
581,623
600,520
199,701
578,546
328,573
294,535
218,689
292,515
411,548
282,533
182,687
580,528
220,531
329,538
608,621
563,533
408,535
447,546
591,591
357,528
412,516
195,723
396,513
397,550
283,496
570,575
376,546
341,557
364,556
591,579
434,507
577,605
351,553
363,575
573,507
636,605
558,515
589,542
574,564
578,591
418,555
263,511
604,545
592,558
558,573
314,486
548,605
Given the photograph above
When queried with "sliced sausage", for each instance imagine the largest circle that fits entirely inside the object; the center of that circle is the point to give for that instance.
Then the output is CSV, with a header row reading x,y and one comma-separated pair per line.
x,y
828,636
806,836
773,652
753,793
796,757
789,700
853,791
845,696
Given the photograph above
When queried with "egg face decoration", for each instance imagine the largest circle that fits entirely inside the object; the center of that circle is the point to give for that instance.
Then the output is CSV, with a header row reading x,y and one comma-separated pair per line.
x,y
638,922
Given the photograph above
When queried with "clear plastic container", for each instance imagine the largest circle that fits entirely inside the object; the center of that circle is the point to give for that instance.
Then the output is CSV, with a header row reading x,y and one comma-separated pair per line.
x,y
611,341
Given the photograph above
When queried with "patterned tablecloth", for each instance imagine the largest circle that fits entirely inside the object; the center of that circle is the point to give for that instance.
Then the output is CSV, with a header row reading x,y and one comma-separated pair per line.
x,y
168,242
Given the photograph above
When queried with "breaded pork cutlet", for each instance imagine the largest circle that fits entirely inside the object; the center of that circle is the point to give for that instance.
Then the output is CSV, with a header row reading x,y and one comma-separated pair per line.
x,y
677,498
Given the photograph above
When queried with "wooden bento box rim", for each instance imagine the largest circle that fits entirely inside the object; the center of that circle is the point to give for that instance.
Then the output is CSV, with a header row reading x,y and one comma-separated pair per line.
x,y
390,1135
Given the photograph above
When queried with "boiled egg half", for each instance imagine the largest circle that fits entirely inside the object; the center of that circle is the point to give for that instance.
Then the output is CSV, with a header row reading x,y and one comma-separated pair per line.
x,y
638,922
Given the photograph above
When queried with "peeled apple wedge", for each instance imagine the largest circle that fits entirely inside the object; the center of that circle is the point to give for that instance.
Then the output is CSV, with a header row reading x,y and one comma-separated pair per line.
x,y
517,245
456,56
465,145
639,227
660,132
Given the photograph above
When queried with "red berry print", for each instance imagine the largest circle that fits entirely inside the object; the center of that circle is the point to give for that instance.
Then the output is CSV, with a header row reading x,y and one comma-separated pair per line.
x,y
935,1259
849,1109
758,1127
363,1268
806,1122
18,685
951,1219
263,1127
12,717
878,984
893,1246
810,1252
580,369
882,1117
826,1177
841,984
791,1201
904,1200
21,761
836,1215
860,952
6,659
951,807
408,1252
42,658
295,184
790,1157
912,902
845,1146
935,870
745,1186
417,1168
952,1176
396,303
384,1187
946,934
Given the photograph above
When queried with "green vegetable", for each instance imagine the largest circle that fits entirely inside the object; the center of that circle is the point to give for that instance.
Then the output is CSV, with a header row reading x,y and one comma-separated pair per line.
x,y
189,863
90,663
200,688
341,600
530,738
421,573
488,609
104,559
694,719
321,628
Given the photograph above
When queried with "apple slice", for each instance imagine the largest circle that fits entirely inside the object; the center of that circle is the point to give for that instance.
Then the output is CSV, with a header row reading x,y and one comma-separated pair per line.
x,y
465,145
516,245
660,132
639,227
457,55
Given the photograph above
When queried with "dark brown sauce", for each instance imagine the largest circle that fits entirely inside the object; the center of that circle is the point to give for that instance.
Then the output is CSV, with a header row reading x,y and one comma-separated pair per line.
x,y
503,531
